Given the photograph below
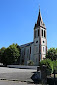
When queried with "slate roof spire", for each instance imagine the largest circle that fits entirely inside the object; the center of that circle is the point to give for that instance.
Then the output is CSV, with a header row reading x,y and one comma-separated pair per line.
x,y
40,20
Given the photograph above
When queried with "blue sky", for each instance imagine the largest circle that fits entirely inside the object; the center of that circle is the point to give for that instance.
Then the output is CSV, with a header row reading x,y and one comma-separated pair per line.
x,y
18,17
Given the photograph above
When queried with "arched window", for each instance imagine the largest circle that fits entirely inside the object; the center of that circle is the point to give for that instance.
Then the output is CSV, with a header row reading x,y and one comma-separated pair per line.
x,y
38,32
43,49
30,50
42,33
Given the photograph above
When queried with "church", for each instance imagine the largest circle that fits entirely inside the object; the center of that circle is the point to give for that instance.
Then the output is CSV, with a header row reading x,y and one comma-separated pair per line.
x,y
37,49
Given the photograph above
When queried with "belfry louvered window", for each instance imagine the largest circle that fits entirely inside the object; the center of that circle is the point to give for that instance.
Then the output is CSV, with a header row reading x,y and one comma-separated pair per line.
x,y
42,33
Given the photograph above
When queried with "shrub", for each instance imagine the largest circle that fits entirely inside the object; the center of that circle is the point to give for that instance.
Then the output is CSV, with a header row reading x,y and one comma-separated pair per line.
x,y
55,65
48,63
31,63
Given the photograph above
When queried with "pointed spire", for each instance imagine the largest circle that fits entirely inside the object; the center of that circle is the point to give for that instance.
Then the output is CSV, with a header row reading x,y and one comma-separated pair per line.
x,y
39,20
39,7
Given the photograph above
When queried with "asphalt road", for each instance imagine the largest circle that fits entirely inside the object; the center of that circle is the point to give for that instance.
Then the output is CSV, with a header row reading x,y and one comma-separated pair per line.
x,y
13,76
15,83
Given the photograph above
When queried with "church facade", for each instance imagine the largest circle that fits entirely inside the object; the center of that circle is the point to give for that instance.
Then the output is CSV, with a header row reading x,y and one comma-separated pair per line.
x,y
37,49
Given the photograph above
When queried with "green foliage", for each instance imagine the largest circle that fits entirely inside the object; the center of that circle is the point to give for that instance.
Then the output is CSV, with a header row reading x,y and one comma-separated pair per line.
x,y
55,65
52,54
1,53
51,65
10,55
48,63
31,63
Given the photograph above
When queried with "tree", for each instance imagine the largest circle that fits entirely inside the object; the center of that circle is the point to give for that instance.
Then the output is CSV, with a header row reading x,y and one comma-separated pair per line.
x,y
55,66
11,54
52,54
1,53
48,63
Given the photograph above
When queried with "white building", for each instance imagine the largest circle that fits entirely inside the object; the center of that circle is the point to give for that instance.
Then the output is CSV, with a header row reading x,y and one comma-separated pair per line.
x,y
35,50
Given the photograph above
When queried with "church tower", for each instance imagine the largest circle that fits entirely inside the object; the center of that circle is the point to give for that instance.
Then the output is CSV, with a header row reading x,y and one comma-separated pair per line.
x,y
40,41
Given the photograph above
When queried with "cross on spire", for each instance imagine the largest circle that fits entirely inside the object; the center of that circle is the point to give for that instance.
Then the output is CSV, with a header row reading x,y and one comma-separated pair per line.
x,y
39,6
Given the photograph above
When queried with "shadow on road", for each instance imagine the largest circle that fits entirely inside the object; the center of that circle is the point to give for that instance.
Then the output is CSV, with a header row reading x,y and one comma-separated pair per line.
x,y
35,78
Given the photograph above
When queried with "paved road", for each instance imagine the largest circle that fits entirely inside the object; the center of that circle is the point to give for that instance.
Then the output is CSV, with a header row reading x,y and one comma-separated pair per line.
x,y
13,76
13,73
11,70
15,83
3,82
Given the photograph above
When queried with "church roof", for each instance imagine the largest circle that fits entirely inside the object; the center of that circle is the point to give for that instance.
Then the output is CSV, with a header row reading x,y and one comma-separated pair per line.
x,y
40,21
25,45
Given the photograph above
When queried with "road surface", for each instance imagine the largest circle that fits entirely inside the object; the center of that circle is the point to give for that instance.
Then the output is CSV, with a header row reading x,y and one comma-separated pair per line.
x,y
14,76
